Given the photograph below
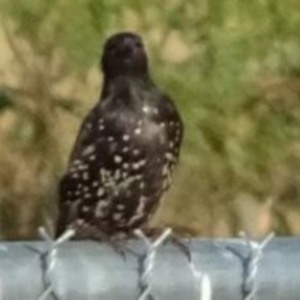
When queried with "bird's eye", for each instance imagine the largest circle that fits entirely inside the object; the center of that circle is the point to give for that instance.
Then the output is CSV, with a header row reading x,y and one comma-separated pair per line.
x,y
139,44
111,48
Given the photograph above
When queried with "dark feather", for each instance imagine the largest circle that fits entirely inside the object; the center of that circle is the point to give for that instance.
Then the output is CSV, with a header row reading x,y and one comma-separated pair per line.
x,y
126,149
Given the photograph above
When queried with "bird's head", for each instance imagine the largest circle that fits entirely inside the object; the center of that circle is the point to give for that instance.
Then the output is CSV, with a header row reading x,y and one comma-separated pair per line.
x,y
124,54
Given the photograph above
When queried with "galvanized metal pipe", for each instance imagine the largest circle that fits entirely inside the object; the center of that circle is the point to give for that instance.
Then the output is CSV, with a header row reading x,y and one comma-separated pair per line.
x,y
218,269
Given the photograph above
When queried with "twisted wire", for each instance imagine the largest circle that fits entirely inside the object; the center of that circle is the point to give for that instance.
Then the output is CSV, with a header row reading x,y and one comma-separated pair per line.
x,y
202,281
148,260
49,259
251,264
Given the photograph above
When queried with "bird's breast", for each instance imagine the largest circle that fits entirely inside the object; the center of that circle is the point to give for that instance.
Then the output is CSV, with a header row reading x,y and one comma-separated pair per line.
x,y
154,131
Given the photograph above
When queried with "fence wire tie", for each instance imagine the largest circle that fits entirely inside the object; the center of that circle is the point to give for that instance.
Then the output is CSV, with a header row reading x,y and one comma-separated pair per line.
x,y
251,264
147,261
49,259
202,281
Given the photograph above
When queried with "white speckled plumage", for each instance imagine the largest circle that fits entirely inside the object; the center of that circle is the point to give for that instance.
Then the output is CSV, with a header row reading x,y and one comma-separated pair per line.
x,y
126,149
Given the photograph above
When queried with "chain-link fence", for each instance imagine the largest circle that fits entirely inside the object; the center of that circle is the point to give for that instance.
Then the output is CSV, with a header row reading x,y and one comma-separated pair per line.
x,y
143,269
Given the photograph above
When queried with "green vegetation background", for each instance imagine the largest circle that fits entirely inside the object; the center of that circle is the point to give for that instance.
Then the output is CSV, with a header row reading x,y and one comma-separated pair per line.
x,y
232,66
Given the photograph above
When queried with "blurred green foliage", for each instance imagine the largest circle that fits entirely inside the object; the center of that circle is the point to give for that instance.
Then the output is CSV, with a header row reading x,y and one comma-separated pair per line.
x,y
233,68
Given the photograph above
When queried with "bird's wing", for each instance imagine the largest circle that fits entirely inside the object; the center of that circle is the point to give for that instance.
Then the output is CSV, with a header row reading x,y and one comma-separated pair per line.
x,y
85,134
108,157
117,153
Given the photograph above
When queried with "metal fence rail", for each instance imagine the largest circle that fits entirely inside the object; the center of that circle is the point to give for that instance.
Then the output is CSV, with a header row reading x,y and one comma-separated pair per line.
x,y
218,269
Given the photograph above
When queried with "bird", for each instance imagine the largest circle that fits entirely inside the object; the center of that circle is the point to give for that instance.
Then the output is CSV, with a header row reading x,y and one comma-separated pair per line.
x,y
126,150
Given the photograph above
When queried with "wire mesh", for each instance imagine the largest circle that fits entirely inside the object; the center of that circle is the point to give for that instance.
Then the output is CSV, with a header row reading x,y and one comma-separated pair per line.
x,y
217,269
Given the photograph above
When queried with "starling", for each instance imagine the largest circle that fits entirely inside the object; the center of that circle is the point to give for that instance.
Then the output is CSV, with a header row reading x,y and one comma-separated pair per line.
x,y
126,149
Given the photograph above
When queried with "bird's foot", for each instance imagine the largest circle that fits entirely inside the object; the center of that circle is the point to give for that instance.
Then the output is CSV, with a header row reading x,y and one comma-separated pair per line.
x,y
116,241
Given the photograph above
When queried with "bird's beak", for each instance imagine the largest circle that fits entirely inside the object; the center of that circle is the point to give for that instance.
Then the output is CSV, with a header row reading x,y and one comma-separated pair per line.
x,y
126,48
